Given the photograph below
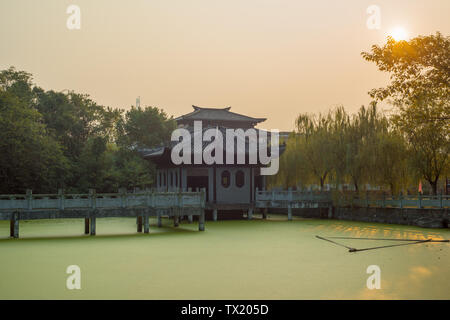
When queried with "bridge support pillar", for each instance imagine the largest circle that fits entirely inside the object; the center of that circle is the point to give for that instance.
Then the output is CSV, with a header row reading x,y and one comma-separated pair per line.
x,y
93,220
176,221
201,221
190,218
264,213
146,224
159,221
289,212
86,226
139,224
214,215
14,226
250,214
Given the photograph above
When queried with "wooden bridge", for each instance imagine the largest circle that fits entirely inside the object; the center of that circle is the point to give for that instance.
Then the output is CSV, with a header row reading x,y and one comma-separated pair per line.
x,y
17,207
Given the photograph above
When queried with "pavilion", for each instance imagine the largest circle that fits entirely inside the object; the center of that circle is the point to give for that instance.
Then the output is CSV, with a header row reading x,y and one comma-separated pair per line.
x,y
229,187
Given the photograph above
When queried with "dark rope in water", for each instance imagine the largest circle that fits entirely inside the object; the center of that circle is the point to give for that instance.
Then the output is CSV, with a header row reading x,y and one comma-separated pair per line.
x,y
389,246
339,244
351,249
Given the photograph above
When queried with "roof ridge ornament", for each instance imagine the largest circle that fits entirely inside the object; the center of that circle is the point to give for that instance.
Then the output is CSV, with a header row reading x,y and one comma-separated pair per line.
x,y
199,108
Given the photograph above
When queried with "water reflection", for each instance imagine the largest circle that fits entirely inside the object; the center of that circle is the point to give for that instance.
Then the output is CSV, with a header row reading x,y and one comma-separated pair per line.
x,y
418,271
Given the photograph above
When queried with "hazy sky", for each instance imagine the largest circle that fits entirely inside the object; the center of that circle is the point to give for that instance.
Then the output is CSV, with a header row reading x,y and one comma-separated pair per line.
x,y
264,58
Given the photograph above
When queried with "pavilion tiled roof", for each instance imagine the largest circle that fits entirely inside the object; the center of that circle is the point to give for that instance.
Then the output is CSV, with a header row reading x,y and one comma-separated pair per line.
x,y
163,152
217,114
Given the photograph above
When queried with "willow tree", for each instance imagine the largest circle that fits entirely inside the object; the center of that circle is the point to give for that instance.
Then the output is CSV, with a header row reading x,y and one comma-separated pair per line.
x,y
390,164
420,90
364,131
339,127
316,144
293,165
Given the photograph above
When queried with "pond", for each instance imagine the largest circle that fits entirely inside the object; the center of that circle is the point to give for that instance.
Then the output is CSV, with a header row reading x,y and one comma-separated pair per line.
x,y
258,259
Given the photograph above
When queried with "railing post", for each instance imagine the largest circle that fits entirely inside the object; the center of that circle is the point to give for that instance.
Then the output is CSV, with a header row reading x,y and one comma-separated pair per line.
x,y
29,199
61,198
148,199
123,197
153,198
201,218
384,200
273,198
401,199
352,198
440,200
420,200
290,204
177,211
367,199
93,198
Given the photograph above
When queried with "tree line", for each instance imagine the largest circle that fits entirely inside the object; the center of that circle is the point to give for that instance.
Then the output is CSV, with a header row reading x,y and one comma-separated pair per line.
x,y
51,140
393,151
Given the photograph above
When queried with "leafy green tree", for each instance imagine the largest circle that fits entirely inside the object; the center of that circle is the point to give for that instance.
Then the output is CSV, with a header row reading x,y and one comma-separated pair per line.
x,y
74,118
420,90
145,128
428,138
30,158
132,171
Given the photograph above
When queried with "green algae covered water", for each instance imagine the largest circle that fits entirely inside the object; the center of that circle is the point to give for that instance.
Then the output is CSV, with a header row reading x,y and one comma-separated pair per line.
x,y
271,259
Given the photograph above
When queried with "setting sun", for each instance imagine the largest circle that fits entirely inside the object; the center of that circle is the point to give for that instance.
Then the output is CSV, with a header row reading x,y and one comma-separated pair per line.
x,y
399,34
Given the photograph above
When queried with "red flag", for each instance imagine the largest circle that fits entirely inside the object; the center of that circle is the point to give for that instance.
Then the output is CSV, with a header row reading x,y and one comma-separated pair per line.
x,y
420,187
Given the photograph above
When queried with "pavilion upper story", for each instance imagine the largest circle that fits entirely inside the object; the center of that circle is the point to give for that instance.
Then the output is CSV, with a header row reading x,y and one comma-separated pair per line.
x,y
218,117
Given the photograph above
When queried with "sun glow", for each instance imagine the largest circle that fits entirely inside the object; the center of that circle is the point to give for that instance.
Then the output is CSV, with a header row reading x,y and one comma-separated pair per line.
x,y
399,34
